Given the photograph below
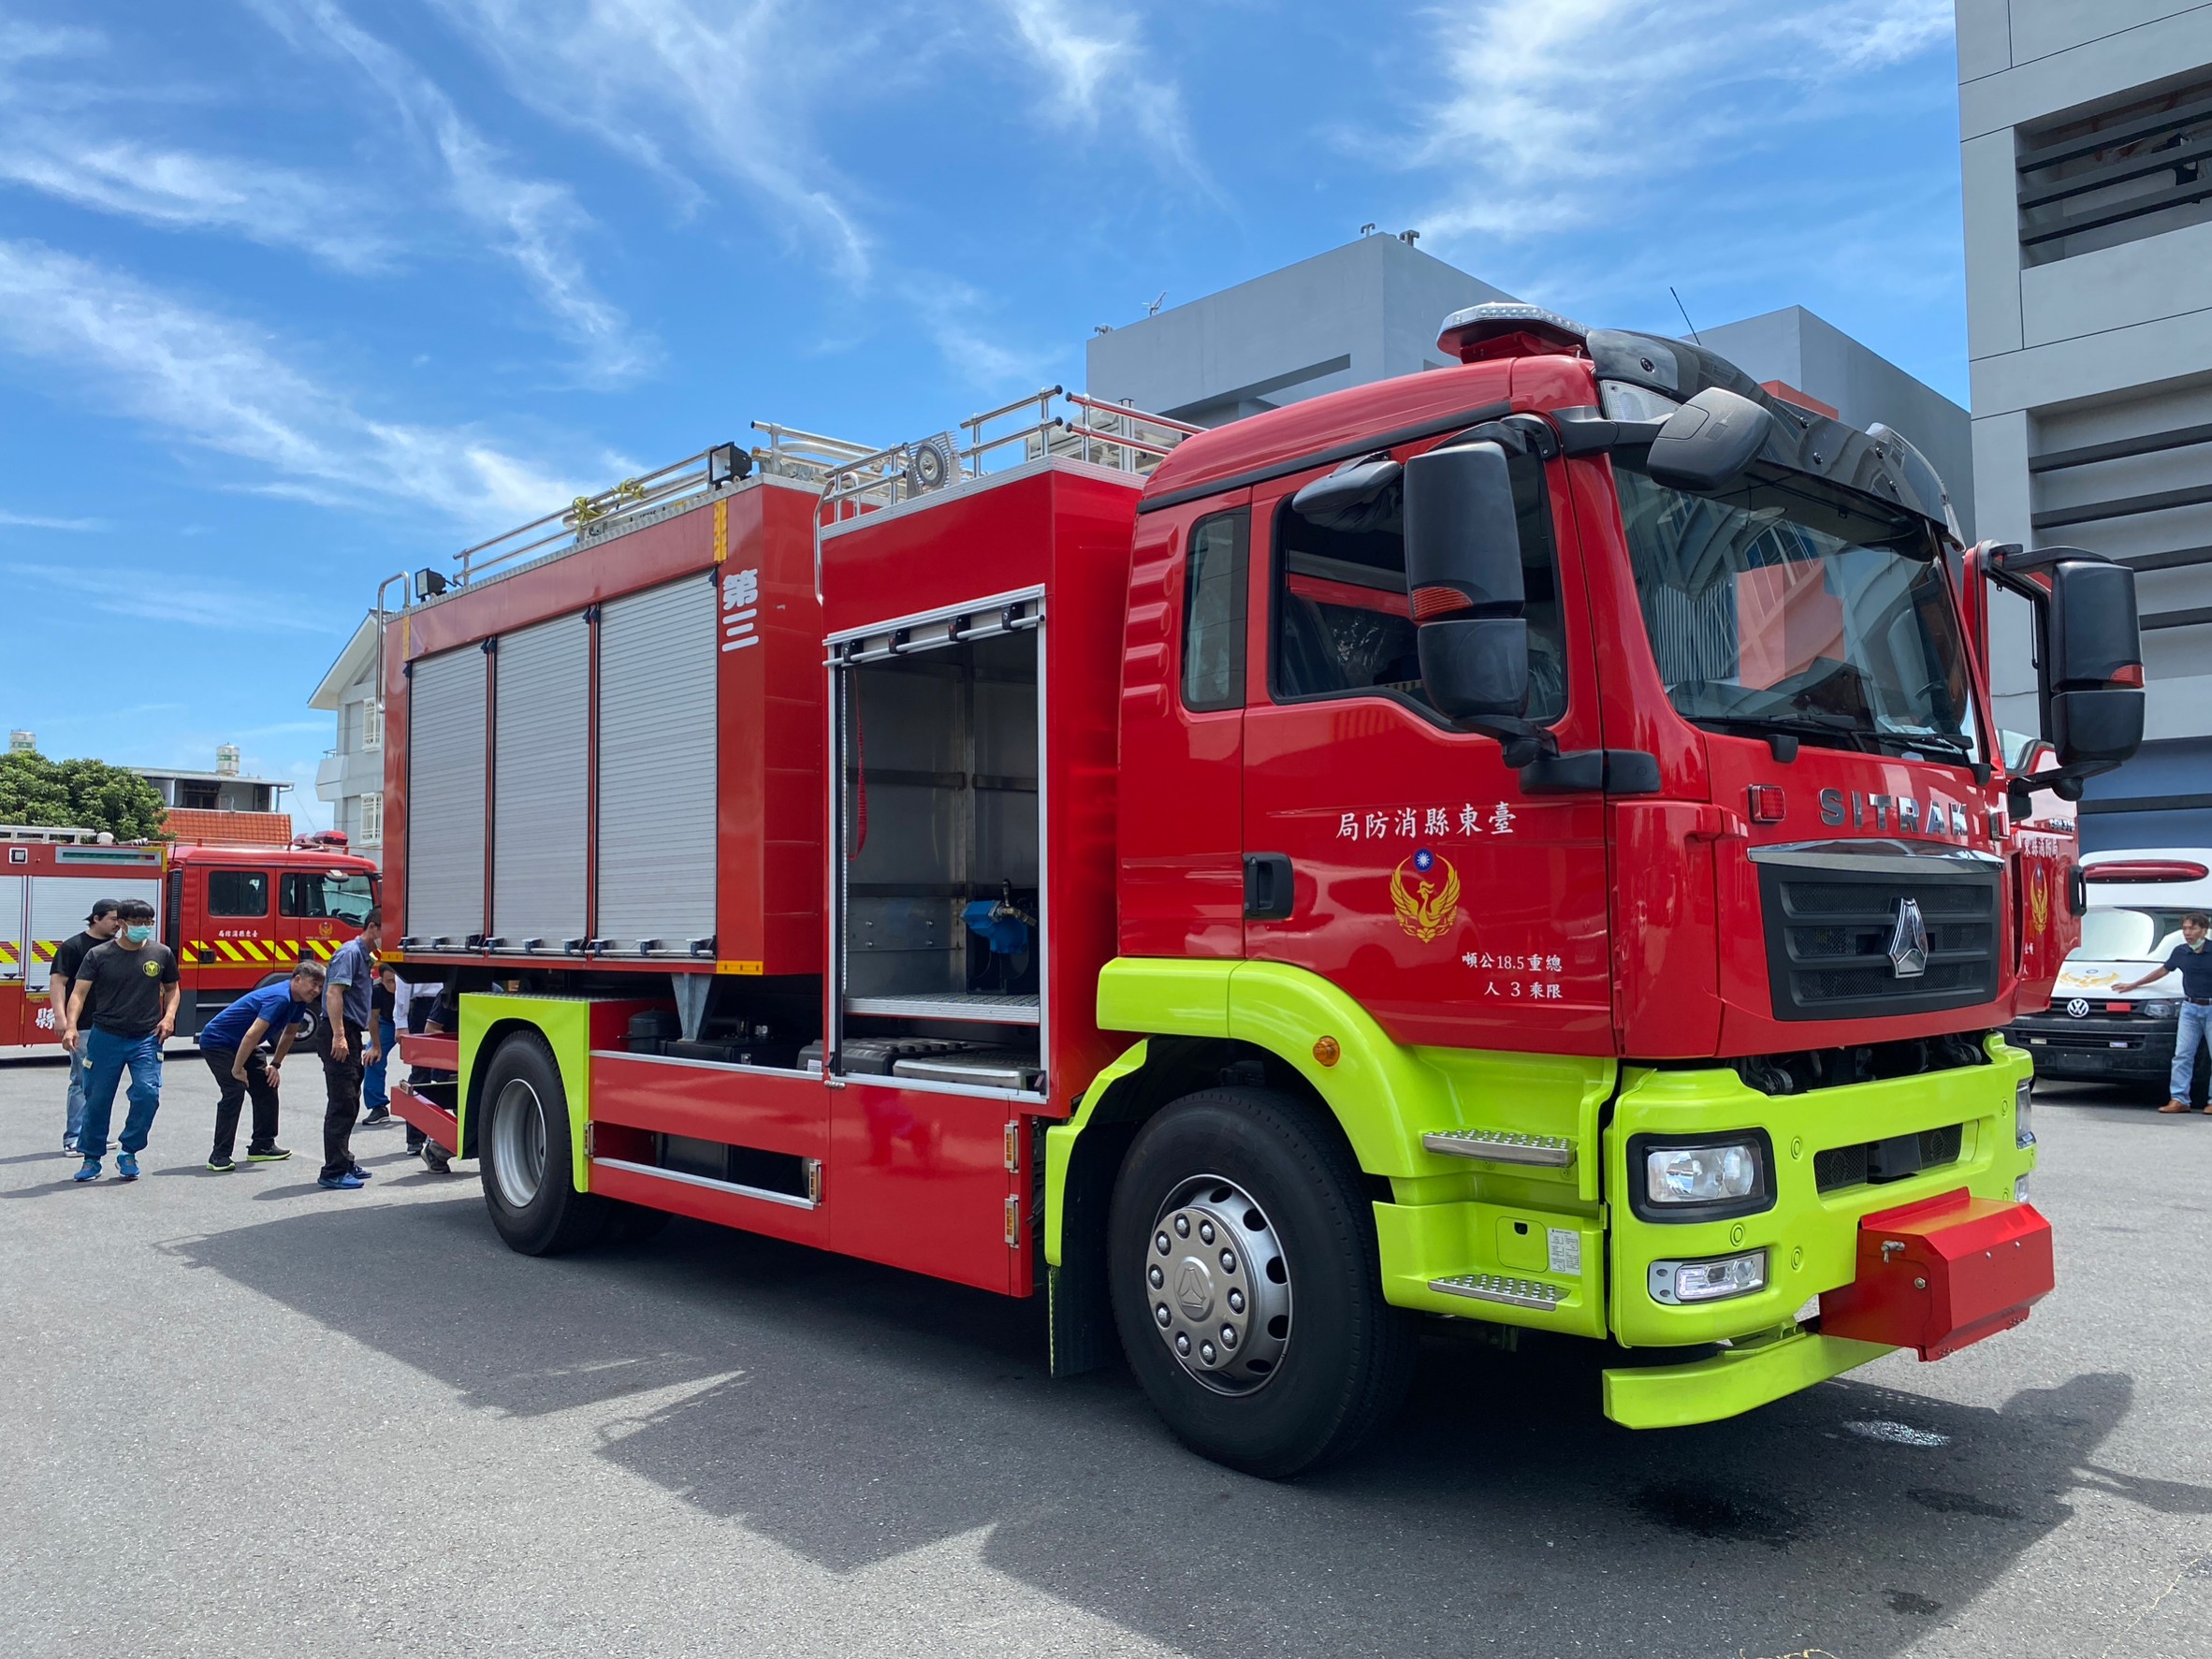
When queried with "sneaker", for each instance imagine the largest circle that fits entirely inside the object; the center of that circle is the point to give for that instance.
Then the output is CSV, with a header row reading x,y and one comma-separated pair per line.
x,y
361,1174
346,1183
69,1145
268,1155
377,1114
127,1166
88,1171
437,1157
222,1166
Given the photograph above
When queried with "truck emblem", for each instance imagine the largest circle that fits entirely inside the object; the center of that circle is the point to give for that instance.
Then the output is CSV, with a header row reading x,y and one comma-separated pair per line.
x,y
1428,907
1908,945
2080,1008
2039,898
1194,1290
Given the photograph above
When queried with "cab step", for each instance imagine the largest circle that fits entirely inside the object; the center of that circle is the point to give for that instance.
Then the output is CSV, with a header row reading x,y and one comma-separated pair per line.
x,y
1499,1146
1530,1293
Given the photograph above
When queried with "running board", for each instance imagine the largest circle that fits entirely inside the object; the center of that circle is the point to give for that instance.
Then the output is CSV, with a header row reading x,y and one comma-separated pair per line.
x,y
1531,1293
1497,1146
733,1189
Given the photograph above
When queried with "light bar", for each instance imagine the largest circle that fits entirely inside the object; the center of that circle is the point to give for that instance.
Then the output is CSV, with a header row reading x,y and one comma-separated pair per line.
x,y
2145,869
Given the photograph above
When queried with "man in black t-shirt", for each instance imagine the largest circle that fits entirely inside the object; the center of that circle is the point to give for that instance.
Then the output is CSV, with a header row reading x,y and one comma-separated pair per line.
x,y
127,992
99,928
2192,960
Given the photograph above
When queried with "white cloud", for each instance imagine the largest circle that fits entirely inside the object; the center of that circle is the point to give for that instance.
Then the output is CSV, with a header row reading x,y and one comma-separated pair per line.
x,y
534,222
276,207
217,384
49,81
1558,111
33,521
1097,72
150,595
677,91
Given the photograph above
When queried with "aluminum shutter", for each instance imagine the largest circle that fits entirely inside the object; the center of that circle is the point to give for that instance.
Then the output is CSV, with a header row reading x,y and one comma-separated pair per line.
x,y
540,756
445,796
14,952
657,766
59,905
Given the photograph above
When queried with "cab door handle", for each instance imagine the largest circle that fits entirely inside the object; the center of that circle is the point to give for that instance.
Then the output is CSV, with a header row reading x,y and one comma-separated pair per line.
x,y
1269,887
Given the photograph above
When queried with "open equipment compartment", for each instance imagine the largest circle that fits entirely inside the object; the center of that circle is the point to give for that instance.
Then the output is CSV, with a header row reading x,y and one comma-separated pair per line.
x,y
940,932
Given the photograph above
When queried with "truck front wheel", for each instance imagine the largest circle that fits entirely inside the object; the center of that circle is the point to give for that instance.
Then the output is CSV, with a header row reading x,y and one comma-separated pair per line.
x,y
1246,1284
526,1155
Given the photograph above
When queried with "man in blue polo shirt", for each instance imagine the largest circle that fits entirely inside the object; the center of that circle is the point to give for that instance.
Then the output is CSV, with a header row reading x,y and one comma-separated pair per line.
x,y
2192,960
231,1045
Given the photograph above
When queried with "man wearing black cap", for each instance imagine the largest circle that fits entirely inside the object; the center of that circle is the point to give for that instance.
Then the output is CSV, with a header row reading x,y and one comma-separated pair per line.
x,y
99,928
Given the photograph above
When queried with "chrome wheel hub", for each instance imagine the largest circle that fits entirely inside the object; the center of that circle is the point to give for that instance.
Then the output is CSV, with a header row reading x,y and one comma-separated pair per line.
x,y
1217,1286
518,1144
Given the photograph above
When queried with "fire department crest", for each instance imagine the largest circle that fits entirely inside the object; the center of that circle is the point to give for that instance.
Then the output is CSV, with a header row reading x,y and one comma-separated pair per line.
x,y
2039,899
1429,902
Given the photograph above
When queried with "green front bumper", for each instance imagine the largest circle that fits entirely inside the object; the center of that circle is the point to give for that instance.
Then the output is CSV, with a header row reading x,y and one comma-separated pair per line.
x,y
1597,1256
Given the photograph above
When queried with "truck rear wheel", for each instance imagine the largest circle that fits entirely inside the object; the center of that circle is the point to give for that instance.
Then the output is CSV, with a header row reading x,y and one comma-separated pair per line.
x,y
525,1154
1246,1284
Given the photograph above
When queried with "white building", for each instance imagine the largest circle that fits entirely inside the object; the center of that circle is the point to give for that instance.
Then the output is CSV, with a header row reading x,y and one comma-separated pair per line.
x,y
350,776
2085,133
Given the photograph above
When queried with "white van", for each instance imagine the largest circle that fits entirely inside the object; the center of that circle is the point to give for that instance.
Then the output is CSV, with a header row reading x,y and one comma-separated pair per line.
x,y
2091,1032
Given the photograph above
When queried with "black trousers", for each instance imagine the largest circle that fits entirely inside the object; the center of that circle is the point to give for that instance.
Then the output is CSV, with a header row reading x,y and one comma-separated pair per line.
x,y
342,1082
234,1097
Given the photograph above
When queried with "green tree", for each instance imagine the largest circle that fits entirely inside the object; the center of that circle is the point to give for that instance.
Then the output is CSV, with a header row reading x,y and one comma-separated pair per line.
x,y
79,795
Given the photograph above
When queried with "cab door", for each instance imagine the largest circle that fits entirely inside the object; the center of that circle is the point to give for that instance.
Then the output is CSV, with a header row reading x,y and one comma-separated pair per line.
x,y
1181,803
1391,852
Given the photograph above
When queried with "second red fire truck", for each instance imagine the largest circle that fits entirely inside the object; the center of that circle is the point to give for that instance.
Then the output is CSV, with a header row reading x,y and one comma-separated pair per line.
x,y
1522,843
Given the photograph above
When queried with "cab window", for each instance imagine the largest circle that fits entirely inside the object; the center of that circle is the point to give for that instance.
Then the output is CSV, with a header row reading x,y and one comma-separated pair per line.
x,y
1214,589
343,896
238,892
1343,622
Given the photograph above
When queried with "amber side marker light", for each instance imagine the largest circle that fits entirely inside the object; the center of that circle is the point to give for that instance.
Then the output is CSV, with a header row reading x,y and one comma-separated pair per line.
x,y
1326,1051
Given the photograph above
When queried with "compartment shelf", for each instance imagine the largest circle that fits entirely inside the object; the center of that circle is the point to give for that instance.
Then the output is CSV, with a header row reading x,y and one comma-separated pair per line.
x,y
985,1008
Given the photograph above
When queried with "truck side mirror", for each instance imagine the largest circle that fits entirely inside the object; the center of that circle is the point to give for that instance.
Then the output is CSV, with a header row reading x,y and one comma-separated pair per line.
x,y
2095,672
1462,572
1706,443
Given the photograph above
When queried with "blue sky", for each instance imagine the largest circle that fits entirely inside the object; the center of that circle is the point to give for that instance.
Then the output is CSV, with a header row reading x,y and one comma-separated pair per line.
x,y
298,292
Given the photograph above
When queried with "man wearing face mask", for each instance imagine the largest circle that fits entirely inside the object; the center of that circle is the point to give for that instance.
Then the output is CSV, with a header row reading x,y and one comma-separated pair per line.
x,y
124,1000
99,928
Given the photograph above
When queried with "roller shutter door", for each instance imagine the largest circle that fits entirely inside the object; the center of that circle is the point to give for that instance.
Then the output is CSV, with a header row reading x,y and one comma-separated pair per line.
x,y
445,707
540,770
657,766
59,905
14,950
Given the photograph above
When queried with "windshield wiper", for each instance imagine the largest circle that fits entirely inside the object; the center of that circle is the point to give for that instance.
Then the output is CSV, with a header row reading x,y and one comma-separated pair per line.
x,y
1803,725
1935,740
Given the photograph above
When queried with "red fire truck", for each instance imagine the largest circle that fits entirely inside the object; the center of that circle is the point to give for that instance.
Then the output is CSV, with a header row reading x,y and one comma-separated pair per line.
x,y
234,914
1520,843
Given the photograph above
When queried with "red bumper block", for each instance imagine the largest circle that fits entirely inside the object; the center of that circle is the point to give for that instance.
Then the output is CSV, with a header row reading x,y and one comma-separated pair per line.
x,y
1938,1274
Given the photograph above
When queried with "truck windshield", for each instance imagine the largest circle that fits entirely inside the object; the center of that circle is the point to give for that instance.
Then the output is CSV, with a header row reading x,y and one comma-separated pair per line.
x,y
2127,935
1790,605
343,896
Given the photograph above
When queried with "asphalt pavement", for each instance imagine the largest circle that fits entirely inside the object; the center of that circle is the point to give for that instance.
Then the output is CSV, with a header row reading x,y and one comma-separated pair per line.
x,y
243,1415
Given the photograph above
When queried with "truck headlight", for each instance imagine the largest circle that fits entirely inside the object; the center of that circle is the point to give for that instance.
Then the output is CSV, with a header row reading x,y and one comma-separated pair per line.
x,y
1678,1282
2158,1010
2023,1116
1723,1172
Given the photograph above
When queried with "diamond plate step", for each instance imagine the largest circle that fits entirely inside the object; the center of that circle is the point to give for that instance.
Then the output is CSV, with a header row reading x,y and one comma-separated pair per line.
x,y
1531,1293
1554,1152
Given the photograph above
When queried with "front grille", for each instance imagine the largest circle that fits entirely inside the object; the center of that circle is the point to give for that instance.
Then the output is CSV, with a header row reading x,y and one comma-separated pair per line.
x,y
1828,932
1852,1166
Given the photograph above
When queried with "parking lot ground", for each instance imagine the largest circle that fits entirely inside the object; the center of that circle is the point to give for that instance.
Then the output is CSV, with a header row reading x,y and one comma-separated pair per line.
x,y
243,1415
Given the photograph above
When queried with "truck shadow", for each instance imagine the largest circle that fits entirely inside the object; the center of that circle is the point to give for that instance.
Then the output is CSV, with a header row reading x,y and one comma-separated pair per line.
x,y
855,1414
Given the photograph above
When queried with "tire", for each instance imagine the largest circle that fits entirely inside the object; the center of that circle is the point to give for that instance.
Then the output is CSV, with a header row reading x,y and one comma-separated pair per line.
x,y
524,1152
1318,1359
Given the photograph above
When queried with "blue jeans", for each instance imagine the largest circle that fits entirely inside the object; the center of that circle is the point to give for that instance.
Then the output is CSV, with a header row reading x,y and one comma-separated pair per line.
x,y
105,1055
374,1089
2188,1031
74,1126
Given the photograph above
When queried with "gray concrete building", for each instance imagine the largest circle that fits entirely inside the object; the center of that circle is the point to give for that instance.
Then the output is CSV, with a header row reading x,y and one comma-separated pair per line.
x,y
1366,312
2084,129
226,789
1370,310
350,775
